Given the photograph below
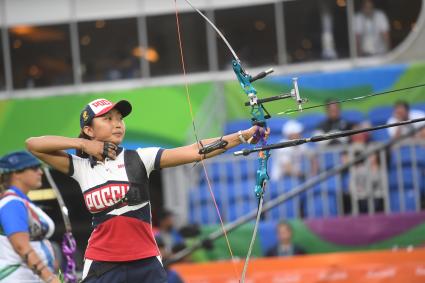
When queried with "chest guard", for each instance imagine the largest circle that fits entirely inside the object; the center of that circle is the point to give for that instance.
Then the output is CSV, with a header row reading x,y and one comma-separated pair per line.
x,y
138,192
137,176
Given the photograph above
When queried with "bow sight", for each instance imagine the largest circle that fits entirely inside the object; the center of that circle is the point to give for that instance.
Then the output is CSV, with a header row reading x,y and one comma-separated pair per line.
x,y
294,93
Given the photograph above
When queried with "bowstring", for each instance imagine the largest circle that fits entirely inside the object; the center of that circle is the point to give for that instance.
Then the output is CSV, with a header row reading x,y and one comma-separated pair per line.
x,y
197,139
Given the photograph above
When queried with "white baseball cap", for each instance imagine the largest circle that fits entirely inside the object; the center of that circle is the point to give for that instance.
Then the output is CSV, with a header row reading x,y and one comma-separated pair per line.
x,y
292,127
102,106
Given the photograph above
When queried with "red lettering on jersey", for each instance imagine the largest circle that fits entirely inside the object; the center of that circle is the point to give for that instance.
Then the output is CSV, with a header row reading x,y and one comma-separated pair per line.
x,y
101,198
116,193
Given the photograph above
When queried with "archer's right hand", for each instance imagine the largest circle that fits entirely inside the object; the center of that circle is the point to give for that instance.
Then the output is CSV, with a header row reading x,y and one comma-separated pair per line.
x,y
99,149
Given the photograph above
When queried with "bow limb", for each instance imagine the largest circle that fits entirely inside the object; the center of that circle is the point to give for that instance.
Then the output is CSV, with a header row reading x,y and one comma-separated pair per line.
x,y
68,242
215,28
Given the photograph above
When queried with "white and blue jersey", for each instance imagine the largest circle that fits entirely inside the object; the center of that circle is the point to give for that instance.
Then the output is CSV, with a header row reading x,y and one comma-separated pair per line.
x,y
19,214
125,232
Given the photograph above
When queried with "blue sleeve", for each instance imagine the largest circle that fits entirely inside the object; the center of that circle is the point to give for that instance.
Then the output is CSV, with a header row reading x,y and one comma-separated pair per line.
x,y
14,217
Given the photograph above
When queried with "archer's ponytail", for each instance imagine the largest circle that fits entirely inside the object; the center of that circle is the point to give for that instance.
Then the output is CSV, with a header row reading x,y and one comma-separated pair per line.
x,y
4,182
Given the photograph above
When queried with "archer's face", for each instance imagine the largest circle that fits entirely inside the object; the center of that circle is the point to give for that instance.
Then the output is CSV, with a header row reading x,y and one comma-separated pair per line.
x,y
109,127
29,178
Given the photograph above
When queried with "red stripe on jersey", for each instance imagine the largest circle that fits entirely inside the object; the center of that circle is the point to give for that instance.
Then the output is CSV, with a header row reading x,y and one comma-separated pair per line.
x,y
122,239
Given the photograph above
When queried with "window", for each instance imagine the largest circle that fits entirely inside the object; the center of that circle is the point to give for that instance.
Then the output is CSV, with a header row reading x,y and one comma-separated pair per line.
x,y
2,73
251,31
41,56
321,34
109,50
165,56
382,25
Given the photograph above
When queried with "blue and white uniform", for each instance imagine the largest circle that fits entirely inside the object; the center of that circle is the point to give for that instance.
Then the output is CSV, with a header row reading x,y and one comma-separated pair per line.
x,y
19,214
121,233
122,246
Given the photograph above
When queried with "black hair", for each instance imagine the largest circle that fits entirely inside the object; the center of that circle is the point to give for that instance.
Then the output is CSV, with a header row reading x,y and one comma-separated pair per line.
x,y
402,103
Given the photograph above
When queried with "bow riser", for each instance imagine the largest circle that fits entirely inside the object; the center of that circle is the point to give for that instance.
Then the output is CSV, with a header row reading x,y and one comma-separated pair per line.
x,y
258,118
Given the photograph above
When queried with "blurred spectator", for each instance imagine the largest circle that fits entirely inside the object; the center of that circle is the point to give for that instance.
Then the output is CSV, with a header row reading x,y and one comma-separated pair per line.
x,y
366,187
289,161
402,112
327,36
371,27
167,231
172,276
284,247
333,123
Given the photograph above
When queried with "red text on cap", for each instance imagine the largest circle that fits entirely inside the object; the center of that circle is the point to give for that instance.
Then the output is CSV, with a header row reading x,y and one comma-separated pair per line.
x,y
102,102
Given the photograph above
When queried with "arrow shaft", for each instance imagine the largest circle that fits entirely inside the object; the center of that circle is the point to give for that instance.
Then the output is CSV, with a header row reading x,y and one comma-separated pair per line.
x,y
290,111
324,137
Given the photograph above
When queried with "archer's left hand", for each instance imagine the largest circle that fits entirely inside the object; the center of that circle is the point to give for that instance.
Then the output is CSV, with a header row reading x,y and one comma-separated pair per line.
x,y
256,133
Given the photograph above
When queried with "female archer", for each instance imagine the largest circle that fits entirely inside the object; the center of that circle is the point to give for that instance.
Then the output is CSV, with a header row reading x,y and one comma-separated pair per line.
x,y
114,182
26,253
